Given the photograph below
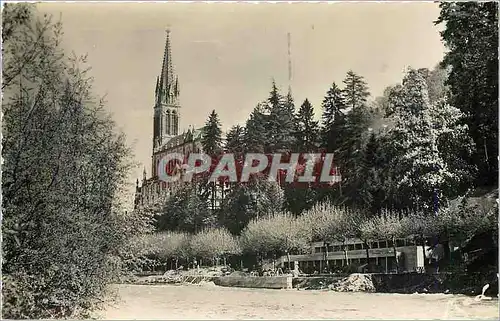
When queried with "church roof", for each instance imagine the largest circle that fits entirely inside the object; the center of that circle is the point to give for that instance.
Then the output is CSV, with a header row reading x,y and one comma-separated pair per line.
x,y
183,138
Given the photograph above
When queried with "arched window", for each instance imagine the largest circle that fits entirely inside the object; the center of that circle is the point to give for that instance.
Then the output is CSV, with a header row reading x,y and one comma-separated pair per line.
x,y
168,123
175,123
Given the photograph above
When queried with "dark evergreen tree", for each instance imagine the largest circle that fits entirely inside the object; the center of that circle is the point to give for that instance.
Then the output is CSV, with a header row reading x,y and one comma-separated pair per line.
x,y
255,134
307,129
235,140
355,91
371,193
471,35
281,124
212,135
333,118
354,135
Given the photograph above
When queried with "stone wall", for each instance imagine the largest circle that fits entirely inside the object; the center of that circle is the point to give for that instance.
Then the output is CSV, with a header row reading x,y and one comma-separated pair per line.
x,y
435,283
262,282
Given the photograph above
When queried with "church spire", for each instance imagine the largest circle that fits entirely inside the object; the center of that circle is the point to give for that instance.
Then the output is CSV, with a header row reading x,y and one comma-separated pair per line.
x,y
167,70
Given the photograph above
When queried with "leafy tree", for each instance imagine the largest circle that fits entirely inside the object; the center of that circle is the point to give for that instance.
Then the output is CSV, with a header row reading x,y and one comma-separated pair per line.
x,y
214,243
424,138
246,201
277,234
212,135
65,168
471,35
420,225
387,226
436,83
328,222
157,249
186,210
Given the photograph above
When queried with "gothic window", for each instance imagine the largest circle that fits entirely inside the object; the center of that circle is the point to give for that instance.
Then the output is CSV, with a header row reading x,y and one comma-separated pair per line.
x,y
160,125
175,122
168,123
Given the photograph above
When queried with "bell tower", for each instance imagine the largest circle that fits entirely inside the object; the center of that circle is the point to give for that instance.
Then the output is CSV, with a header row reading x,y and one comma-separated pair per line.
x,y
167,107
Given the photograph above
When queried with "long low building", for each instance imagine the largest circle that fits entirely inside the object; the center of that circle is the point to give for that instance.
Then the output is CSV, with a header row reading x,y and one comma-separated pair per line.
x,y
331,256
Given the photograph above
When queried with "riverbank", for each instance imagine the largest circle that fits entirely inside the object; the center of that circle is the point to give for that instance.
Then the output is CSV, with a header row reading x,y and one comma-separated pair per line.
x,y
404,283
183,302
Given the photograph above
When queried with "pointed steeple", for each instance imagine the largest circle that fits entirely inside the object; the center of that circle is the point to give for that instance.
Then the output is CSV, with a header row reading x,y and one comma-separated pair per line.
x,y
167,70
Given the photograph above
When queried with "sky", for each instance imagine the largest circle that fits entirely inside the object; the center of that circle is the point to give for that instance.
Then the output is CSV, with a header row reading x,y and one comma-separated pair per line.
x,y
226,54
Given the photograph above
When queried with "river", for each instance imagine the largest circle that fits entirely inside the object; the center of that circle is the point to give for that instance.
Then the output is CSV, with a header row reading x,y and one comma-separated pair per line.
x,y
213,302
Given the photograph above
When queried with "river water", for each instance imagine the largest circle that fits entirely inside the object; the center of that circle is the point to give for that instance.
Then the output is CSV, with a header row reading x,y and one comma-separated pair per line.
x,y
213,302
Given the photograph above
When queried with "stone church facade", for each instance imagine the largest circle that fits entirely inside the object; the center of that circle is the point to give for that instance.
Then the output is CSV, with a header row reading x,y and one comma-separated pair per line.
x,y
166,138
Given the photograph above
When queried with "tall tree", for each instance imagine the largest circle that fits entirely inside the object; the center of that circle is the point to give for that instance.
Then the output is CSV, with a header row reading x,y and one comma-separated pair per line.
x,y
471,35
302,197
354,134
333,118
65,168
255,134
423,140
235,139
212,135
355,90
371,194
307,128
281,125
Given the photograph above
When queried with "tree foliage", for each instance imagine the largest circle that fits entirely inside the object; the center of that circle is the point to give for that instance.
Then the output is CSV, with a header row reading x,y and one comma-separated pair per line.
x,y
212,135
65,168
471,36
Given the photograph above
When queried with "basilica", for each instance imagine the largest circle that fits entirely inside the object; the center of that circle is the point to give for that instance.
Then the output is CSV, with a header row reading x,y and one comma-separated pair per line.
x,y
166,137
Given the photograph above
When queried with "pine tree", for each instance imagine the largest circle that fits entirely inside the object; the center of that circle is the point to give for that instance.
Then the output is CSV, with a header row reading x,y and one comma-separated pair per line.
x,y
473,78
256,128
355,91
370,174
281,125
354,135
333,118
307,129
235,140
212,135
425,139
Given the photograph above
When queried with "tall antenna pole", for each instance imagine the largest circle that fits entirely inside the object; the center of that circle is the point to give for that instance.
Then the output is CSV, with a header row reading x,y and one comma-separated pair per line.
x,y
289,60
